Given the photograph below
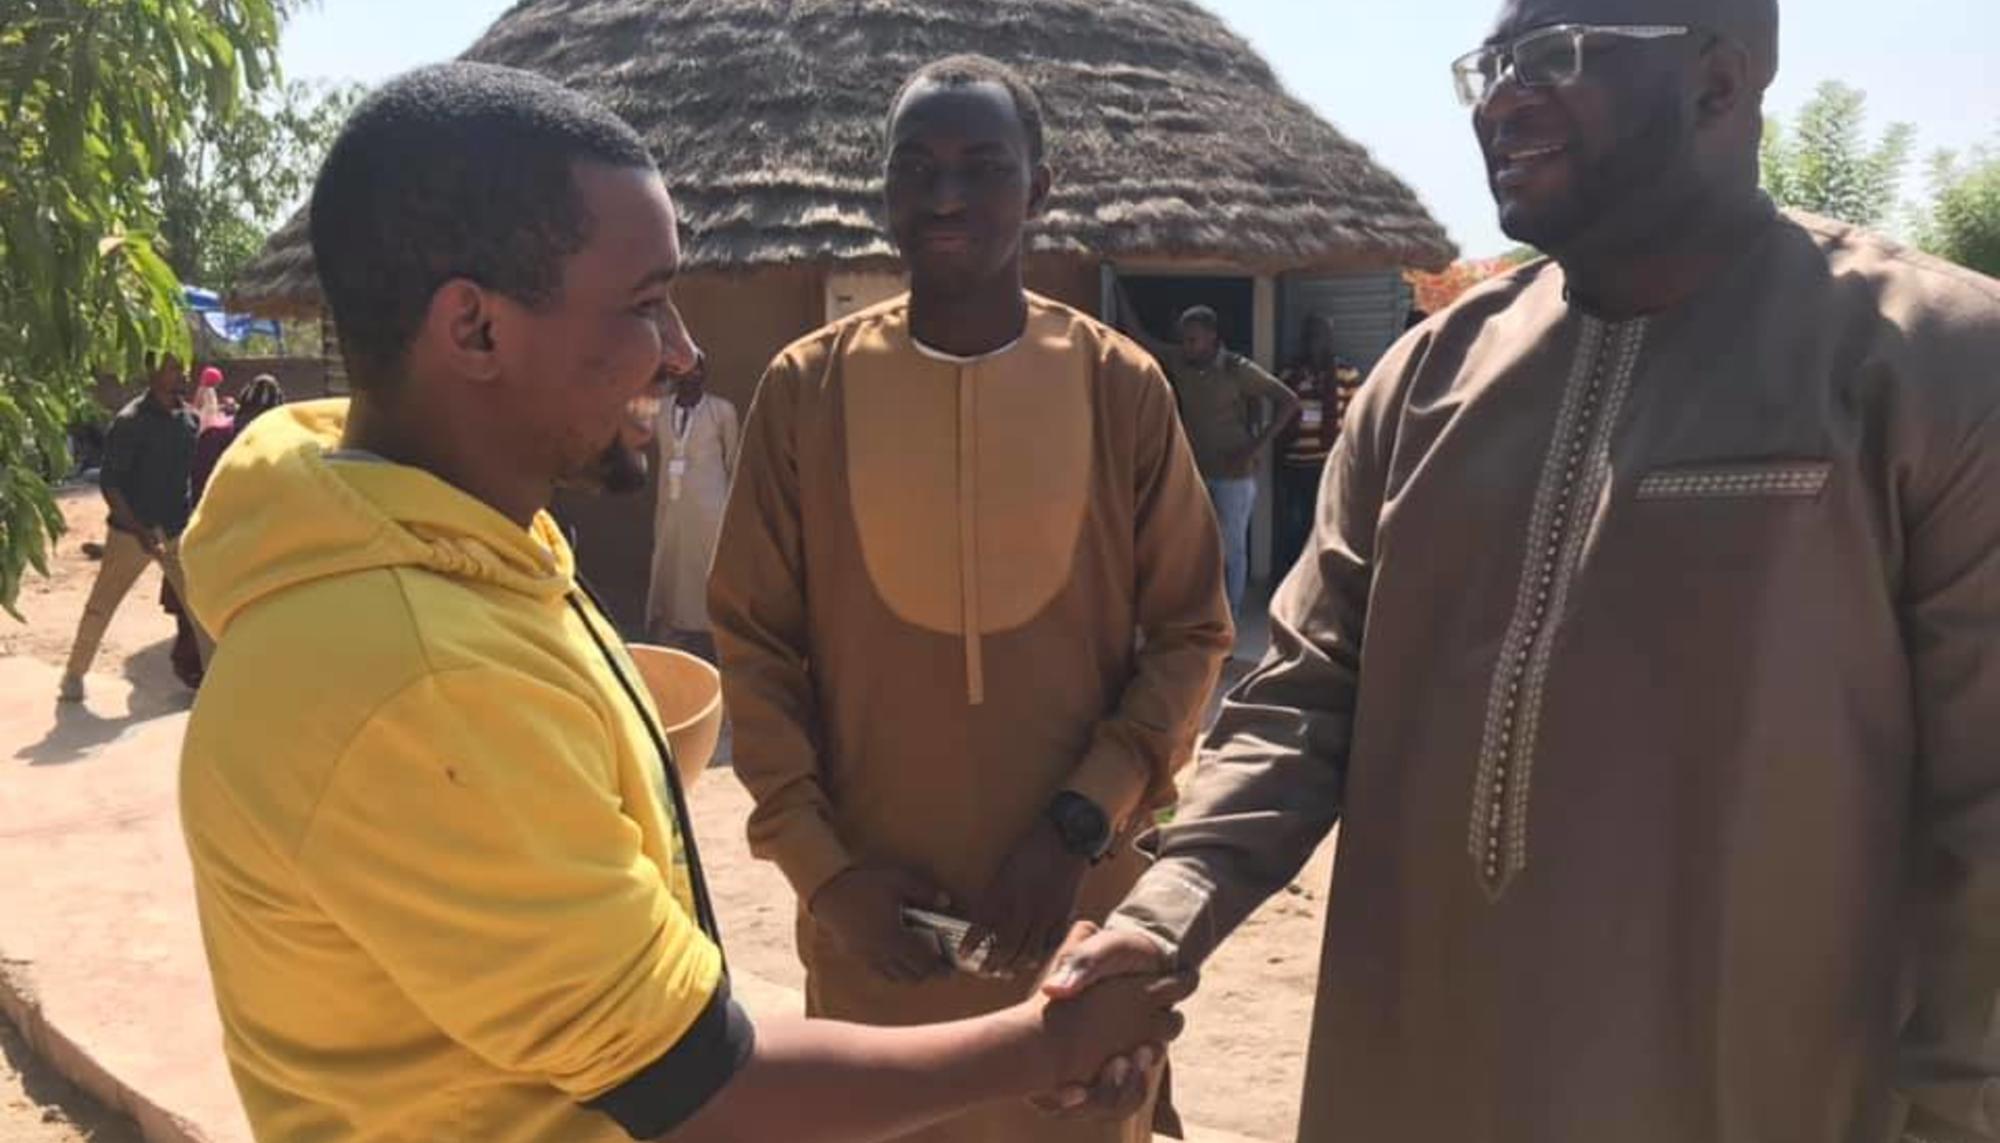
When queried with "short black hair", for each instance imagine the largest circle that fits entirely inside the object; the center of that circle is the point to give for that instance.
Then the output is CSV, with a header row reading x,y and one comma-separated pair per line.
x,y
970,69
1202,316
460,170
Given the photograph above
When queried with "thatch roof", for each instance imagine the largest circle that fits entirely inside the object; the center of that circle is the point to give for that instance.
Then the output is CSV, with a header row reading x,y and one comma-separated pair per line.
x,y
1170,136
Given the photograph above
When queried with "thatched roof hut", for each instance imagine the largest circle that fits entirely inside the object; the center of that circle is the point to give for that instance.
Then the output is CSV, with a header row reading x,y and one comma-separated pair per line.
x,y
1170,135
1178,155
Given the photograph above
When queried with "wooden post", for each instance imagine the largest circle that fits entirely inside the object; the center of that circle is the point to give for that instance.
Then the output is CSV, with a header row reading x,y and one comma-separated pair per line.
x,y
1264,349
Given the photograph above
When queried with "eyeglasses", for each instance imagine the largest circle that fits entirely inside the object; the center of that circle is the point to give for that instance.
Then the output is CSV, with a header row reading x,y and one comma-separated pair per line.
x,y
1545,57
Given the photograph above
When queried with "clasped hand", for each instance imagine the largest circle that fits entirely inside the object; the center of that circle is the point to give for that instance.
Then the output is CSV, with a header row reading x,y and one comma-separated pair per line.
x,y
1116,991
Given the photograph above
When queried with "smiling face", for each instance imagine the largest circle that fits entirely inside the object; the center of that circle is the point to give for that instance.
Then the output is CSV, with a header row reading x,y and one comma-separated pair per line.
x,y
590,369
1587,156
960,186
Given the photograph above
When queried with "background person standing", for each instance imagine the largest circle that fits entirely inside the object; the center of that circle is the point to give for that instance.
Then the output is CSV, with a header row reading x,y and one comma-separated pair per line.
x,y
147,457
259,397
1232,410
698,438
1324,384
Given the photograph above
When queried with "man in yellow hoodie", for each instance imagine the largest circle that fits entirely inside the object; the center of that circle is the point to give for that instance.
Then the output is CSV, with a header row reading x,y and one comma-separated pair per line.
x,y
443,867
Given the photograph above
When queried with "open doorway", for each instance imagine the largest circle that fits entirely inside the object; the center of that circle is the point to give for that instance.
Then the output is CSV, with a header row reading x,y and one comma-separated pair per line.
x,y
1245,317
1162,299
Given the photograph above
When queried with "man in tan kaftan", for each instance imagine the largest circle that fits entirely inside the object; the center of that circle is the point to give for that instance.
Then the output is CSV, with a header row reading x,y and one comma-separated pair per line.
x,y
968,593
1647,651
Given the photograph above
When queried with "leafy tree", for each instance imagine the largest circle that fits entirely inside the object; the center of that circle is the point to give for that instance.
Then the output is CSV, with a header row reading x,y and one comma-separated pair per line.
x,y
1825,164
1433,292
97,94
234,176
1963,223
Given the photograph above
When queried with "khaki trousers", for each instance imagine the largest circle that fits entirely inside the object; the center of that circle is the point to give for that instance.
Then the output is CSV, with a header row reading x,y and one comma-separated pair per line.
x,y
125,559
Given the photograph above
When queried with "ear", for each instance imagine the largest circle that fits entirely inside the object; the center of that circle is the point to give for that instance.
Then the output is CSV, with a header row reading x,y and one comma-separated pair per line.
x,y
459,328
1040,180
1723,82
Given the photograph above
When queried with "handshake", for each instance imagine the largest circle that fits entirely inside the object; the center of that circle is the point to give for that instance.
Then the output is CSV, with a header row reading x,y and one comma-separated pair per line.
x,y
1107,1013
1093,1031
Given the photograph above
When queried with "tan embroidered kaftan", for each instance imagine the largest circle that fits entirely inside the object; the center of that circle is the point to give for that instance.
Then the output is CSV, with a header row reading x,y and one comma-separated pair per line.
x,y
1653,671
947,589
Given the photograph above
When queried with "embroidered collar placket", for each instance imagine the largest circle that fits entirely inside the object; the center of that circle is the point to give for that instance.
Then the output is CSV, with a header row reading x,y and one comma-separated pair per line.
x,y
1572,485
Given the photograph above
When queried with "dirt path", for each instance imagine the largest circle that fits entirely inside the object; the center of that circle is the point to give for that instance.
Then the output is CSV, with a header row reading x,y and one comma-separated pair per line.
x,y
36,1105
141,633
1238,1069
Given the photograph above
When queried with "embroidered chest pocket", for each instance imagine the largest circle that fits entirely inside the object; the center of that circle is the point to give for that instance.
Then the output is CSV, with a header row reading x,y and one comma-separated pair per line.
x,y
1755,480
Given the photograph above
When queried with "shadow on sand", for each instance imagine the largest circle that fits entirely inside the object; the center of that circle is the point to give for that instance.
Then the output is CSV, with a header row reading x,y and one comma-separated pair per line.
x,y
78,731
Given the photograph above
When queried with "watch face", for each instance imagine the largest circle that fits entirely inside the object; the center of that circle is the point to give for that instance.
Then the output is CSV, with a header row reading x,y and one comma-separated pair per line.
x,y
1084,827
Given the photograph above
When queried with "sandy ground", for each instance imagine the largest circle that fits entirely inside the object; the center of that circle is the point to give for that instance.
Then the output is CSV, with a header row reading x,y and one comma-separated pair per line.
x,y
38,1106
141,633
1238,1069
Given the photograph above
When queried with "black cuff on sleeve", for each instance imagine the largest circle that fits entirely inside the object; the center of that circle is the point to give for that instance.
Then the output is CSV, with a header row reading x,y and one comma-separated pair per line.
x,y
667,1092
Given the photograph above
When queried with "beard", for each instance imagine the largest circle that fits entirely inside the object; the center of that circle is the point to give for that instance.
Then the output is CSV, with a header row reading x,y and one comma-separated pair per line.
x,y
1619,192
618,468
616,471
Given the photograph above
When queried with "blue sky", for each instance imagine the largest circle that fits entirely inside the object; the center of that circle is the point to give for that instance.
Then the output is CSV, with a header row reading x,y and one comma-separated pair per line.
x,y
1378,70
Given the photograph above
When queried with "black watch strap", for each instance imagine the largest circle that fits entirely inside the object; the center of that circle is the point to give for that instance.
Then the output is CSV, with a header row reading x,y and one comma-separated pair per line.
x,y
1083,826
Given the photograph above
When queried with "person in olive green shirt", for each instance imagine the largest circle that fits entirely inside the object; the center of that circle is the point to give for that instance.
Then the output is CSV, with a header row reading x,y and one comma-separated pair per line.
x,y
1232,410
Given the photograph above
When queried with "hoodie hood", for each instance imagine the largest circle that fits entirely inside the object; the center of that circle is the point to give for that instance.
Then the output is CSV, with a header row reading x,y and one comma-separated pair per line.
x,y
282,510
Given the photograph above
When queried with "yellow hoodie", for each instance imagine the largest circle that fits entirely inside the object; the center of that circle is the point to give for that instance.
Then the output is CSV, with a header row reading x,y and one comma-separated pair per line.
x,y
443,889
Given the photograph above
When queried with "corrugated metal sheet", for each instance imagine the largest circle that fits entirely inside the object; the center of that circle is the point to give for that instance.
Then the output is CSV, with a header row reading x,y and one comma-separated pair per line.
x,y
1368,311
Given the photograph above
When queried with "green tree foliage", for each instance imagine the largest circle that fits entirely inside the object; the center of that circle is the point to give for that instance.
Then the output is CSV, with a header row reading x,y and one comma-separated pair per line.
x,y
1963,223
1824,163
97,94
231,180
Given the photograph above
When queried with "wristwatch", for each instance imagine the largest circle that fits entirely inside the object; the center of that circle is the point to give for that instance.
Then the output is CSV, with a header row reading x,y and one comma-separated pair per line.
x,y
1083,826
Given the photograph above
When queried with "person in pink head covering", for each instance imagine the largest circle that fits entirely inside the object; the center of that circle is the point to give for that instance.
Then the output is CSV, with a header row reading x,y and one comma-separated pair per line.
x,y
217,429
208,400
260,396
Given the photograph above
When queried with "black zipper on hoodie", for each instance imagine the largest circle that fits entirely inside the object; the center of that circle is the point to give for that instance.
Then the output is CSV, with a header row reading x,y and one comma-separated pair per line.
x,y
683,822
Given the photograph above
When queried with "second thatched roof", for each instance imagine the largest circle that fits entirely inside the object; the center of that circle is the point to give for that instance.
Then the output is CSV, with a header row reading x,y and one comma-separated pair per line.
x,y
1170,136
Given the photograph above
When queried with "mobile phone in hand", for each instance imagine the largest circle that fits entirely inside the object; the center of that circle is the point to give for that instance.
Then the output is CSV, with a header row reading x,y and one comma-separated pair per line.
x,y
949,934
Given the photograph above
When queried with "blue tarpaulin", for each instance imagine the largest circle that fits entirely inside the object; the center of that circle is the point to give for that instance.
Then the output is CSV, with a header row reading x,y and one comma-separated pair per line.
x,y
232,328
